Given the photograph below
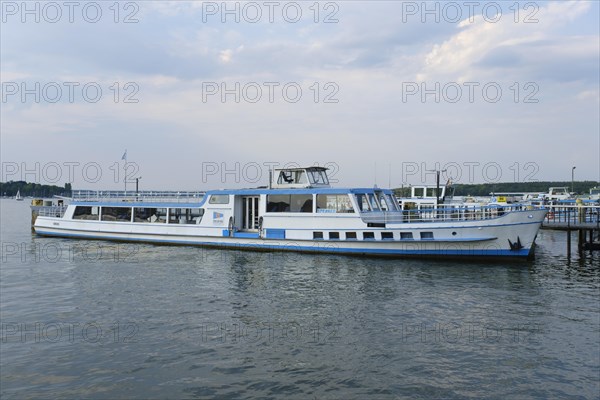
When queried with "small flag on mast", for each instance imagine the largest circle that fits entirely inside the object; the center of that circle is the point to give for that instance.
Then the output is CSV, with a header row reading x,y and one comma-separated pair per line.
x,y
124,155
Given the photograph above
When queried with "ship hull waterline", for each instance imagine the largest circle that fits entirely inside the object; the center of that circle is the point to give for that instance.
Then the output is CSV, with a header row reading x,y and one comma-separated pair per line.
x,y
476,248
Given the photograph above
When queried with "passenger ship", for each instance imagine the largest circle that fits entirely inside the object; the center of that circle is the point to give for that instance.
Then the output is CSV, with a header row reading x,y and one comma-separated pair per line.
x,y
299,211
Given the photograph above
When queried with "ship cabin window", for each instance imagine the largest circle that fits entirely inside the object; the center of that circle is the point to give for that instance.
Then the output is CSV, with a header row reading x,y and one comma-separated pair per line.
x,y
368,236
334,203
406,236
426,235
116,214
334,236
152,215
317,235
219,199
278,203
425,192
387,236
86,213
190,216
350,235
298,203
301,203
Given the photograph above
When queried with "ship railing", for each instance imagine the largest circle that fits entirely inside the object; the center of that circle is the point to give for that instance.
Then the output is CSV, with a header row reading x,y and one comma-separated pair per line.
x,y
474,213
573,215
142,195
51,211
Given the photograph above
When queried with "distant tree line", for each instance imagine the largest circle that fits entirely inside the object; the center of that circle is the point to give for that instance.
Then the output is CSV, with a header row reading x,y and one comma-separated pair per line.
x,y
484,189
9,189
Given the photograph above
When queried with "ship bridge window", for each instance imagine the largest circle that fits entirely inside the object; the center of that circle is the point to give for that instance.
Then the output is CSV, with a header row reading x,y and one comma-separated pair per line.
x,y
147,214
219,199
290,203
388,202
318,177
334,203
185,215
363,202
285,177
376,202
383,201
116,214
86,213
373,203
292,177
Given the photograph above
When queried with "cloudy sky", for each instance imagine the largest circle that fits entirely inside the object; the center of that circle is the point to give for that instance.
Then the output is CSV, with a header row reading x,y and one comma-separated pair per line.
x,y
210,94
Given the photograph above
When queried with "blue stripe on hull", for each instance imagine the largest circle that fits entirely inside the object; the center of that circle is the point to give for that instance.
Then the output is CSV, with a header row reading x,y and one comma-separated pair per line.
x,y
329,248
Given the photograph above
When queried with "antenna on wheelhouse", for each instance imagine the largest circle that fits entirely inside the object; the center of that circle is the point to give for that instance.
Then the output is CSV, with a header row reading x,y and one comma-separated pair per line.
x,y
375,173
270,178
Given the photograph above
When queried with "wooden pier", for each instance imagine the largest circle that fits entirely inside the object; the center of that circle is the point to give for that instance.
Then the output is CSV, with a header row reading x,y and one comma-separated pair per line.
x,y
585,219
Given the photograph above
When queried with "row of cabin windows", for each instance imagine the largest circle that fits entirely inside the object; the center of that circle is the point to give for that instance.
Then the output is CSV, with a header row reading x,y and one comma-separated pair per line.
x,y
303,203
140,214
371,235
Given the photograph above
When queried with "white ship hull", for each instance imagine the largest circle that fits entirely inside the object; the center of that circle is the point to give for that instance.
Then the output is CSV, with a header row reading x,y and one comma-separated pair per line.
x,y
491,238
302,213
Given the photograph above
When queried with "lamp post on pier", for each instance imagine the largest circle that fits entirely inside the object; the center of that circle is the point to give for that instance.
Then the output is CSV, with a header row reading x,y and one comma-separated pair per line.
x,y
573,179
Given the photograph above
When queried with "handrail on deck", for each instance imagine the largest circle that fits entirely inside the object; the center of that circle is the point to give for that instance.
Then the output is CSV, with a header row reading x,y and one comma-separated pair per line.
x,y
462,213
51,211
142,195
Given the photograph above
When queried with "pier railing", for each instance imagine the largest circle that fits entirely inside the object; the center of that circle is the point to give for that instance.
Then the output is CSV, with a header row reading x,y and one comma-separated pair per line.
x,y
573,216
462,213
142,195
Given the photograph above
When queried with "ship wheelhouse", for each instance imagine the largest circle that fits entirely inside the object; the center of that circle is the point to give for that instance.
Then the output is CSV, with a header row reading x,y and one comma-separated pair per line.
x,y
295,178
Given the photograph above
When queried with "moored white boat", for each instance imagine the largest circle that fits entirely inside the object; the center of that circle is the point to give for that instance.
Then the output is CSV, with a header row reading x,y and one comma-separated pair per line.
x,y
299,211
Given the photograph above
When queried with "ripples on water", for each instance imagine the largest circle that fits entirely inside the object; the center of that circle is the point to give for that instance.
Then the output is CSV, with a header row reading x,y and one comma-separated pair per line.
x,y
90,319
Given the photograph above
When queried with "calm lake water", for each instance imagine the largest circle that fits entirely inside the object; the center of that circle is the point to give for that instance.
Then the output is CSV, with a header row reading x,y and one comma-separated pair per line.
x,y
101,320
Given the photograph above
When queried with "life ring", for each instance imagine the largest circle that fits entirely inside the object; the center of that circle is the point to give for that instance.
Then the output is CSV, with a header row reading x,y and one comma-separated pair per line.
x,y
551,215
